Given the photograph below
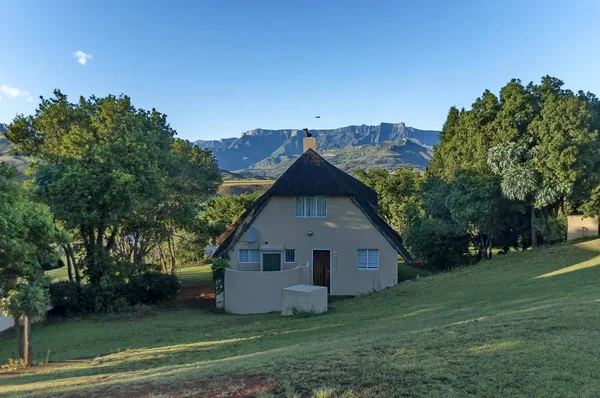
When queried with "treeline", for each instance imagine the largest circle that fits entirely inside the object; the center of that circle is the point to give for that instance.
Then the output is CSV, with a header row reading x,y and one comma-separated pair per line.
x,y
506,173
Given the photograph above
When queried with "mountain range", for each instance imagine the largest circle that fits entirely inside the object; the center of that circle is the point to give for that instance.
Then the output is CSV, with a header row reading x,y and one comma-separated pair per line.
x,y
268,153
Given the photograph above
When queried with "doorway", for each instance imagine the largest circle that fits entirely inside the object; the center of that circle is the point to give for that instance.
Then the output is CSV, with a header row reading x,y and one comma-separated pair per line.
x,y
321,268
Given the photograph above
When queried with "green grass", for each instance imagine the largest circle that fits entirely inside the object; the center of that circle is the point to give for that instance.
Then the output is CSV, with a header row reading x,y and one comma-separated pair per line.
x,y
522,324
58,274
406,272
198,273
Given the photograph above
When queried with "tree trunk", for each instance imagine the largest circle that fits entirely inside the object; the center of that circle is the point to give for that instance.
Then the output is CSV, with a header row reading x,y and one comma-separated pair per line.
x,y
170,245
19,329
69,270
533,231
71,256
26,341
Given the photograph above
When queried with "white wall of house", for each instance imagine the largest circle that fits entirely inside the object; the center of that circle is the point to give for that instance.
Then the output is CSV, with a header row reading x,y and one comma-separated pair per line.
x,y
345,230
581,227
5,323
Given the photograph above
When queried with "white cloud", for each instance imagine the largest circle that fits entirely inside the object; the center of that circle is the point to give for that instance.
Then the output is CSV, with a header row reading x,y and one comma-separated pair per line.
x,y
82,57
13,92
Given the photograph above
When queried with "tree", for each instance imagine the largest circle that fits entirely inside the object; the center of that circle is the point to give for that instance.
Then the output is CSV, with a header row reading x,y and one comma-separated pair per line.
x,y
552,156
166,219
475,203
435,237
220,212
25,302
111,171
27,241
539,139
399,199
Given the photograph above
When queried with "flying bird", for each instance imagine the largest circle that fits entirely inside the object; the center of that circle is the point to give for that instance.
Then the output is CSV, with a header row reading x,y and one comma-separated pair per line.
x,y
307,133
317,117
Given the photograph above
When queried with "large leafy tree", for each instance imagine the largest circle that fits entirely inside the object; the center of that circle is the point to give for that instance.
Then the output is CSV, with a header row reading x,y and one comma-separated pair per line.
x,y
550,152
475,203
540,140
220,212
27,242
398,192
109,170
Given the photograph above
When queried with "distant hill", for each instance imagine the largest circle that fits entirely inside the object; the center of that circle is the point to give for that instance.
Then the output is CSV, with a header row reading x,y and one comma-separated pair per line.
x,y
19,162
268,153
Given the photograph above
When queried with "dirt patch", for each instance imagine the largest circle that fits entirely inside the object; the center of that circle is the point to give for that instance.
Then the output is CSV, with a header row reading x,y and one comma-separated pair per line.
x,y
214,387
4,374
197,294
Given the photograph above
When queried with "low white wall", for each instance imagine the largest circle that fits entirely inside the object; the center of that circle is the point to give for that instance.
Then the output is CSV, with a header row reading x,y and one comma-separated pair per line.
x,y
256,292
5,323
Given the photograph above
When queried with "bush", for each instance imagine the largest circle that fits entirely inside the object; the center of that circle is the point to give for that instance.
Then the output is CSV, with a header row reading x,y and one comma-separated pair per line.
x,y
552,229
65,298
218,274
441,243
149,288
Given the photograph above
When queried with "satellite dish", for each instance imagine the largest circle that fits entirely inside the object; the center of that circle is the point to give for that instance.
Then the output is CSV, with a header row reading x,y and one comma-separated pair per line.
x,y
252,235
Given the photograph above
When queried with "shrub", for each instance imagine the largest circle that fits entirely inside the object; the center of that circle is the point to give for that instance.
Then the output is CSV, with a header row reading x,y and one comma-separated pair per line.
x,y
218,274
552,229
150,288
439,242
65,298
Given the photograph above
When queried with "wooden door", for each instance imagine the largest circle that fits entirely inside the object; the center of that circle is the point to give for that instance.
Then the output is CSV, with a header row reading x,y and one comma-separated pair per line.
x,y
321,266
271,262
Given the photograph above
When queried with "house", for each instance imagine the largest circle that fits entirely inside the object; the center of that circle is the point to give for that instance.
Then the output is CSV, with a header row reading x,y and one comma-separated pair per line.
x,y
316,225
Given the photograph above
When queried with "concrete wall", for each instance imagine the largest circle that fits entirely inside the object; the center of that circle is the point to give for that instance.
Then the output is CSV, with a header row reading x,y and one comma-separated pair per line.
x,y
256,292
5,323
581,227
344,230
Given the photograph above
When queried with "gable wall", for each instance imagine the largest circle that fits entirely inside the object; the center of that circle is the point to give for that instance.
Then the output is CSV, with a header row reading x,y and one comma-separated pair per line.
x,y
345,230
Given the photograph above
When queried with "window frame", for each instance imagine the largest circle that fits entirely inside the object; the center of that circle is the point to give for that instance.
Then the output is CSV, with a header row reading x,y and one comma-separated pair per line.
x,y
248,262
316,206
285,256
367,268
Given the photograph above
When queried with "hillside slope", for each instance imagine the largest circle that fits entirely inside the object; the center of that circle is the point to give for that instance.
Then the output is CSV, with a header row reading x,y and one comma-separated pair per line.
x,y
5,156
262,152
522,324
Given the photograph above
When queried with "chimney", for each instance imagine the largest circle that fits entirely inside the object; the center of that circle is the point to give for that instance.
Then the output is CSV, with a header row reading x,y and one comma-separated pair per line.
x,y
309,142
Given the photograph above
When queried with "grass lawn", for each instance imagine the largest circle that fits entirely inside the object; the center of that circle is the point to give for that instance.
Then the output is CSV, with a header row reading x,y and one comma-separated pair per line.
x,y
58,274
199,273
406,272
522,324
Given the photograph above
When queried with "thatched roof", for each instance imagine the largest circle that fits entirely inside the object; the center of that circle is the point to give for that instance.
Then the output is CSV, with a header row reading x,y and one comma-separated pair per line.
x,y
311,175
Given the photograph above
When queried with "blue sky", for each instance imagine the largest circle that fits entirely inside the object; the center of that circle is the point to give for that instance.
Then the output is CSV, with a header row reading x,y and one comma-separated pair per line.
x,y
223,67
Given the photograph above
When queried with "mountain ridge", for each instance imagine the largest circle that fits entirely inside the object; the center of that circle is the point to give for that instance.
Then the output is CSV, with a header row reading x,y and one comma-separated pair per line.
x,y
265,152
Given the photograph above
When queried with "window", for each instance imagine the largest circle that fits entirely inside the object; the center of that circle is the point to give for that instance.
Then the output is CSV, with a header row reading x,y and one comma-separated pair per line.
x,y
368,259
249,256
310,206
290,256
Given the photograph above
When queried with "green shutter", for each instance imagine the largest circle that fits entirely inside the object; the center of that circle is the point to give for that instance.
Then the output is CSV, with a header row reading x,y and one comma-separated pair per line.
x,y
271,262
